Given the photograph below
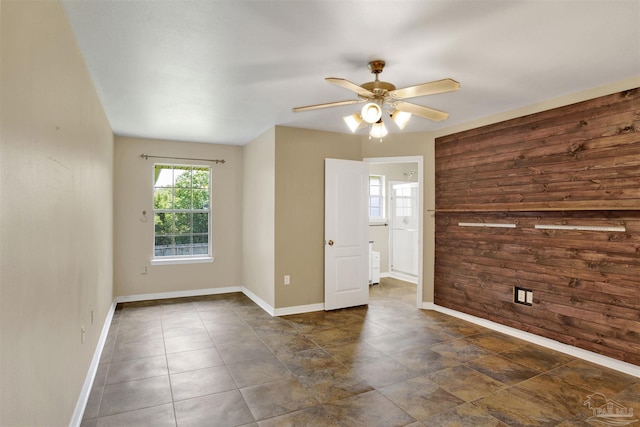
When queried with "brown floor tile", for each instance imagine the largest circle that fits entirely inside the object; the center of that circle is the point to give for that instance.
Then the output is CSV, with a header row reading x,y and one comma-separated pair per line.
x,y
188,342
140,332
192,384
393,343
630,396
424,361
137,349
315,416
352,352
500,369
185,330
284,345
155,416
593,377
369,409
536,357
515,408
382,371
466,383
420,397
309,361
331,336
195,359
457,328
215,410
277,398
137,369
464,415
244,351
133,395
494,341
555,392
333,384
460,350
258,371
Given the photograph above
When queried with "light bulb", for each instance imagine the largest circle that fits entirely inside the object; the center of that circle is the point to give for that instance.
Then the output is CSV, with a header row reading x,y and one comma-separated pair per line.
x,y
371,112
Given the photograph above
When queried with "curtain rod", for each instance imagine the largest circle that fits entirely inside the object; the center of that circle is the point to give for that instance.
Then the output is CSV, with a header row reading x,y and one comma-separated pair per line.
x,y
147,156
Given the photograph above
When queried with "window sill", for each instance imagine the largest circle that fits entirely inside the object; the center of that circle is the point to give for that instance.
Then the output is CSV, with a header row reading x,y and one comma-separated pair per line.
x,y
189,260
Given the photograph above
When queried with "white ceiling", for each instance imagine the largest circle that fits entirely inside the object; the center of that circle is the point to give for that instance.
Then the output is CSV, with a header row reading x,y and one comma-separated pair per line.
x,y
225,71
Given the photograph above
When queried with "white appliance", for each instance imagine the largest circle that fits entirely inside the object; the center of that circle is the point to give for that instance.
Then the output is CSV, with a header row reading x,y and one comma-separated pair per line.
x,y
374,267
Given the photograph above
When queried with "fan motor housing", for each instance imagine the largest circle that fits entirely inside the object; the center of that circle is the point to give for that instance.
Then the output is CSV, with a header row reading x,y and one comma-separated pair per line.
x,y
379,85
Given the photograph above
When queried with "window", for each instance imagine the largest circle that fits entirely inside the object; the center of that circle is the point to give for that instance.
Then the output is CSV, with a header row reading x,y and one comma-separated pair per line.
x,y
403,201
376,198
181,212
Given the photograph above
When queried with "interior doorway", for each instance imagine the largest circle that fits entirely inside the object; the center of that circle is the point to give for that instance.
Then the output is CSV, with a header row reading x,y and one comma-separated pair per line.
x,y
403,230
405,260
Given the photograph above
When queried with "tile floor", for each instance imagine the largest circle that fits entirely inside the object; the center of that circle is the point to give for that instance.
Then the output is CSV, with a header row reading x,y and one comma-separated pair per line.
x,y
222,361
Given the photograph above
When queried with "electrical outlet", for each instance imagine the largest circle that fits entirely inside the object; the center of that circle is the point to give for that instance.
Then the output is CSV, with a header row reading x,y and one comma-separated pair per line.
x,y
83,331
522,296
530,297
143,270
287,279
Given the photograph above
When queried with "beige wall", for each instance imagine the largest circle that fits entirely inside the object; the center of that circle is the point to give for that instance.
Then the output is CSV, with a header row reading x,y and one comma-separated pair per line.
x,y
258,216
299,210
133,193
55,216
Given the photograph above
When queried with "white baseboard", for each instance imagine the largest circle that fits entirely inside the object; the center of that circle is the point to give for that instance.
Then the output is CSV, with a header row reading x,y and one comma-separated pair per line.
x,y
299,309
405,277
580,353
76,418
282,311
259,301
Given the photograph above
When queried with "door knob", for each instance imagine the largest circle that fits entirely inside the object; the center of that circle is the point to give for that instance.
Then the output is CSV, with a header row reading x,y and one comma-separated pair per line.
x,y
330,242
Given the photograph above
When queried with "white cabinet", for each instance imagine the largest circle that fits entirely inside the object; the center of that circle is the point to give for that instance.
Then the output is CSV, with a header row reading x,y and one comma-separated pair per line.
x,y
374,267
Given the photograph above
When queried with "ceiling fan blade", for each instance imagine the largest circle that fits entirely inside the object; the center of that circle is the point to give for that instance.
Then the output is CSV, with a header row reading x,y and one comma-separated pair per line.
x,y
419,110
329,104
350,86
431,88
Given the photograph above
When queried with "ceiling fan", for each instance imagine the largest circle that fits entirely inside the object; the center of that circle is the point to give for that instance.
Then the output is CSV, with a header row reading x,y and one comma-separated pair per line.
x,y
382,96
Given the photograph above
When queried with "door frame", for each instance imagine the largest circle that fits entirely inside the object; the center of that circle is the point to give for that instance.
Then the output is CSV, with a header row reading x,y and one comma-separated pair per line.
x,y
420,173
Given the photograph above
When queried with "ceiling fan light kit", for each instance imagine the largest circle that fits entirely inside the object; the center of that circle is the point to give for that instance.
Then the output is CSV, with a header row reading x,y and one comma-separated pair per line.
x,y
353,121
371,113
378,130
401,118
382,96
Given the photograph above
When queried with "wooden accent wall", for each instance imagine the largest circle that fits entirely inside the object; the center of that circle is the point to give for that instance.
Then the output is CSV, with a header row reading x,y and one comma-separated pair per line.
x,y
574,165
582,156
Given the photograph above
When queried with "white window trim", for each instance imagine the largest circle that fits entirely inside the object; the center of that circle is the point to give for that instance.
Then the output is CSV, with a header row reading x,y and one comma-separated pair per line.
x,y
185,259
381,219
181,260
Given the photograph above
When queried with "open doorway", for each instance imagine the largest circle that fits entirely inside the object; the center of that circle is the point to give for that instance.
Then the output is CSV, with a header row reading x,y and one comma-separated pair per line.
x,y
396,228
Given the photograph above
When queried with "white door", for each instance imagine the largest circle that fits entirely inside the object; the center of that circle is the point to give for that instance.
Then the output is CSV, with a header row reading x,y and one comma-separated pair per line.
x,y
404,228
346,248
